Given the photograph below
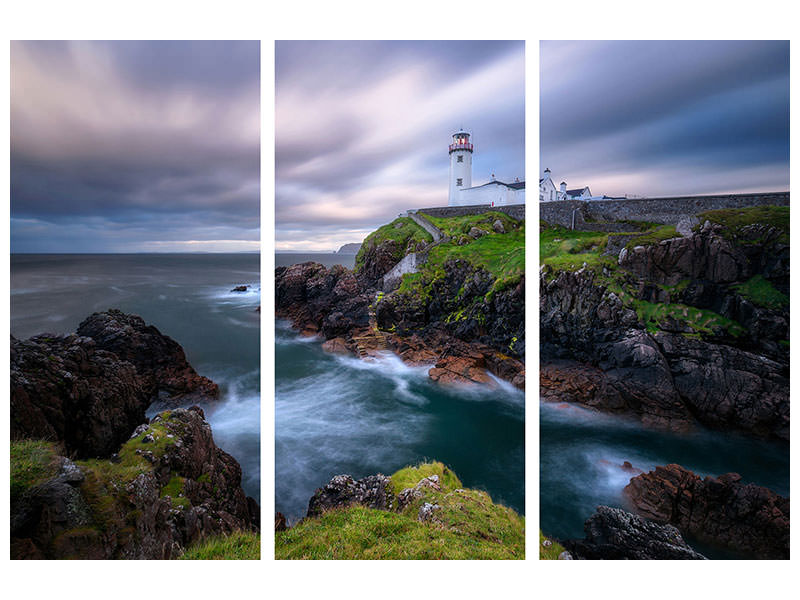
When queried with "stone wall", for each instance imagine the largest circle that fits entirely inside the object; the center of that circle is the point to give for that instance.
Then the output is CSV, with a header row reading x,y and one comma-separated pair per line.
x,y
669,211
516,211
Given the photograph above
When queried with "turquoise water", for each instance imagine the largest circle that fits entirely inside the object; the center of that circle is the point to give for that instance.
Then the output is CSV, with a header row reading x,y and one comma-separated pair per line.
x,y
336,415
581,451
188,297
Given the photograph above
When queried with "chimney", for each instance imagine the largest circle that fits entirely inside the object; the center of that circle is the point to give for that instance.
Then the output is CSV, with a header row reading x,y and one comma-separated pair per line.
x,y
563,187
546,174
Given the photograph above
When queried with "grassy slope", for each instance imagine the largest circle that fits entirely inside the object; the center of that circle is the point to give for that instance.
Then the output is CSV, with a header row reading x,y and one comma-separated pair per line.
x,y
32,462
239,545
402,230
734,219
468,525
501,254
550,552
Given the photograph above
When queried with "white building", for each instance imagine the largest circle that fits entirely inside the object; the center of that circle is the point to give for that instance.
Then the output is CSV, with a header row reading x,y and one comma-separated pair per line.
x,y
549,193
493,193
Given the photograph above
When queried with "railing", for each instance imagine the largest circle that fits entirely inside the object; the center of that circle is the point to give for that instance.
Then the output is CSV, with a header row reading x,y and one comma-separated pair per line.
x,y
454,147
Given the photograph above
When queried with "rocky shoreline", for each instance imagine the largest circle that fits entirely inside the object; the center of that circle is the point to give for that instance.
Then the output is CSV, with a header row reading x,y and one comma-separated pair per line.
x,y
681,331
109,483
353,317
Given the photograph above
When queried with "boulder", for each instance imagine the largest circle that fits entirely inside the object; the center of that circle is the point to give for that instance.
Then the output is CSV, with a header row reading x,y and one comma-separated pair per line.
x,y
614,534
342,490
721,511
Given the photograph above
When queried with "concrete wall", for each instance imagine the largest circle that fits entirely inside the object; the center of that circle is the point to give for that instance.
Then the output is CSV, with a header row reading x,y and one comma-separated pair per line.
x,y
591,215
516,211
492,194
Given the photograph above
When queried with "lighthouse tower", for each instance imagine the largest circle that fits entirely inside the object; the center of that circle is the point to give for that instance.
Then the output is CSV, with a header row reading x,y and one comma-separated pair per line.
x,y
460,166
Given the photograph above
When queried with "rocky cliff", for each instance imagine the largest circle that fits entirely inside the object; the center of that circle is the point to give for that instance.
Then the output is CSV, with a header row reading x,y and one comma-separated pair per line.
x,y
461,310
722,510
676,330
91,476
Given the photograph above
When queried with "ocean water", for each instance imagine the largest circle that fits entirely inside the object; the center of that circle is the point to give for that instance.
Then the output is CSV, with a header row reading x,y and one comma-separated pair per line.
x,y
187,297
581,451
337,415
326,259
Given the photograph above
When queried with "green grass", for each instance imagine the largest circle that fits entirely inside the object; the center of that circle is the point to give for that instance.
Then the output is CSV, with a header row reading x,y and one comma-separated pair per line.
x,y
701,321
239,545
467,525
408,477
174,489
457,226
566,250
654,236
550,552
32,462
760,291
734,219
402,230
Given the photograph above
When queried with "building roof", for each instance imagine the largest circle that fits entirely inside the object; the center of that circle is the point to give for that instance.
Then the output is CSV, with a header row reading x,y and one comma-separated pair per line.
x,y
517,185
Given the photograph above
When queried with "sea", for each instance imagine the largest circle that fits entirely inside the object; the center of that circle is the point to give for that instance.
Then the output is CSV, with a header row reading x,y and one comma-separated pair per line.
x,y
581,451
342,415
187,297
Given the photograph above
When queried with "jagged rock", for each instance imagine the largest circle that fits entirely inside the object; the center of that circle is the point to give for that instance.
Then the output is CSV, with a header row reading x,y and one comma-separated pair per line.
x,y
336,345
158,359
342,490
718,510
498,226
427,512
614,534
65,388
280,522
102,513
565,556
240,288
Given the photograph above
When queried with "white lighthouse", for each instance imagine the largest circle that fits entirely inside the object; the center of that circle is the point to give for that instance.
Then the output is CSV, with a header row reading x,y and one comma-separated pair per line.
x,y
460,167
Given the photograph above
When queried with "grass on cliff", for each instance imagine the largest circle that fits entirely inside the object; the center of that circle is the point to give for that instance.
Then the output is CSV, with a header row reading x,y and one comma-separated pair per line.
x,y
239,545
550,552
32,462
467,525
654,236
455,227
402,230
567,250
760,291
734,219
653,314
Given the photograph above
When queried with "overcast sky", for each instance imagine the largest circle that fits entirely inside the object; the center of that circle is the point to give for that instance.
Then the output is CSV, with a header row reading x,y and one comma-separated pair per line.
x,y
135,146
362,130
667,117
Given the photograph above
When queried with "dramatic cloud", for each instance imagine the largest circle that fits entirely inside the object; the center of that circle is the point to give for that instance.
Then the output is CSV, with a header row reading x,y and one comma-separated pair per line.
x,y
668,117
362,130
135,146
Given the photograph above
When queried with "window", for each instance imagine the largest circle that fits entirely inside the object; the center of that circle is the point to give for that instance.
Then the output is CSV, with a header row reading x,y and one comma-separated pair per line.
x,y
459,181
460,158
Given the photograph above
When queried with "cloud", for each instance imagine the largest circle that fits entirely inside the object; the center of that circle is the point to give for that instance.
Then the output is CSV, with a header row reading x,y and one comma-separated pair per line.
x,y
162,133
362,128
661,118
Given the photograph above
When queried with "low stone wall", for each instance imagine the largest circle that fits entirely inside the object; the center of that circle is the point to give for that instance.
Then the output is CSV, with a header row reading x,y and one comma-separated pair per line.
x,y
669,211
517,211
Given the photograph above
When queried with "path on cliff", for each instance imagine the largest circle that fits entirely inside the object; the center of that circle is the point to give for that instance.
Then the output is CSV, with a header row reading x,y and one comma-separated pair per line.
x,y
427,226
373,340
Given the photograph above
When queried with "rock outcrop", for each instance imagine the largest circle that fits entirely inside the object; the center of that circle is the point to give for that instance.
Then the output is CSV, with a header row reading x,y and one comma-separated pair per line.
x,y
90,390
355,318
159,360
726,368
342,491
168,486
614,534
722,511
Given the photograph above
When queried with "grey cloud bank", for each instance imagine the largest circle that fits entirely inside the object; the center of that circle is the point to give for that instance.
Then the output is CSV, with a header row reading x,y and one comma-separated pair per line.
x,y
135,146
667,117
362,130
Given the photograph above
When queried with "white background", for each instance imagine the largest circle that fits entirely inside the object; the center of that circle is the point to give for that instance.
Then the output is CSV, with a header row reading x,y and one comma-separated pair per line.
x,y
353,20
